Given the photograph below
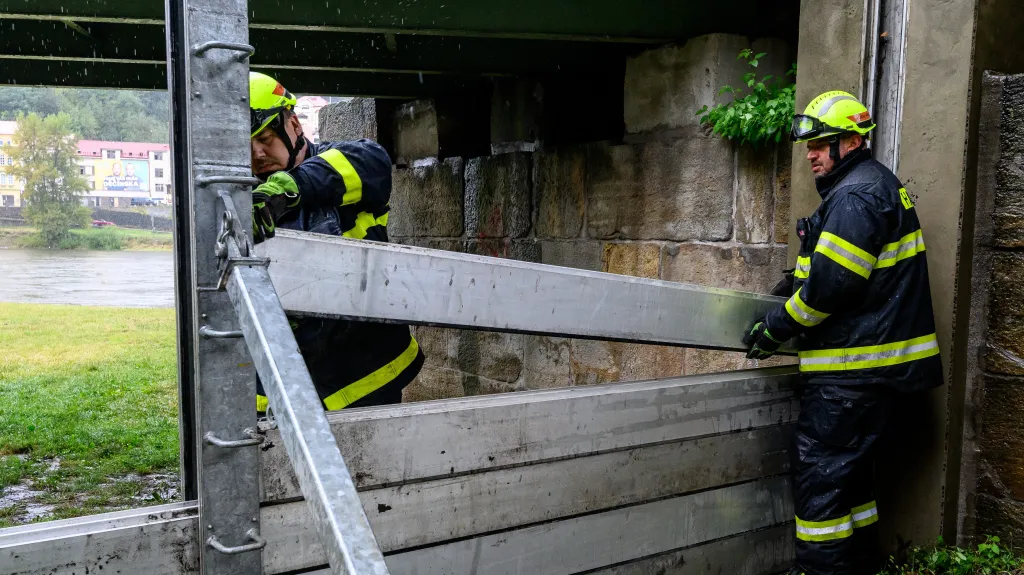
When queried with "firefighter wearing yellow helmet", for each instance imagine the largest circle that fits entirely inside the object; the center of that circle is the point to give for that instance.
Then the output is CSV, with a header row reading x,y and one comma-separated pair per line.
x,y
337,188
860,311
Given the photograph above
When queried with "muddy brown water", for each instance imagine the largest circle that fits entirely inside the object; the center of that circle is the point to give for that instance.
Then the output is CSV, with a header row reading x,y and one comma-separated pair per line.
x,y
115,278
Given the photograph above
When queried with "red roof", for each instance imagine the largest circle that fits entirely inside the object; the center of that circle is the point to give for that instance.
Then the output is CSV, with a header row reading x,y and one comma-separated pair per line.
x,y
128,149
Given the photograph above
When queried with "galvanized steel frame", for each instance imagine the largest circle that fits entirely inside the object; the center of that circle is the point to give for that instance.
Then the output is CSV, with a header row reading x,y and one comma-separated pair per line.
x,y
230,287
324,479
210,120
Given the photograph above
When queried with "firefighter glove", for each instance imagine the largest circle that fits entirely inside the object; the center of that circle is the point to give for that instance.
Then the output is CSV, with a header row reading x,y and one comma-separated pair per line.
x,y
269,201
761,343
785,286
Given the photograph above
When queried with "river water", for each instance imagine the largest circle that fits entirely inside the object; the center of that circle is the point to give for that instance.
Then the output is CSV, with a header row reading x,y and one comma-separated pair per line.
x,y
115,278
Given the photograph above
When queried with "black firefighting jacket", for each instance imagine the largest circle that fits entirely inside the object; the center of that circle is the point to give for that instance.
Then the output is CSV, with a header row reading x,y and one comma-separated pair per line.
x,y
344,189
862,307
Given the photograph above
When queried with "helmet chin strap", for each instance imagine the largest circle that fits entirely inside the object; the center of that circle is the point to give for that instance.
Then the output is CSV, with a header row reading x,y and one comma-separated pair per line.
x,y
293,149
833,148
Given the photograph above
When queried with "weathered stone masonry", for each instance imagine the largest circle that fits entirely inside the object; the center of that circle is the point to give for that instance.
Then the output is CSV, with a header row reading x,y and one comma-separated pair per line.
x,y
994,435
669,201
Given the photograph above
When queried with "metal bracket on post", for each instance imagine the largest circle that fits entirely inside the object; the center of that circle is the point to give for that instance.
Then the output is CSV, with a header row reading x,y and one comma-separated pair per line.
x,y
246,50
254,439
203,181
257,544
210,333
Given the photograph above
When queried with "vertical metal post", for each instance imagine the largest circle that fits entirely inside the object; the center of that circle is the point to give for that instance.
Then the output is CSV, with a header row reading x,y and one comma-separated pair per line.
x,y
183,285
210,92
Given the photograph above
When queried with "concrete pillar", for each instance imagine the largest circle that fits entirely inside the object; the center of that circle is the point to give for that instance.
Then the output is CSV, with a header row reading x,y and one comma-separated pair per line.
x,y
415,132
939,56
349,120
517,115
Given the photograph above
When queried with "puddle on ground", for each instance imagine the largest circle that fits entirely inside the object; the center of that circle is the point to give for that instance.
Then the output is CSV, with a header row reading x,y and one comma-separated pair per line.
x,y
156,489
26,498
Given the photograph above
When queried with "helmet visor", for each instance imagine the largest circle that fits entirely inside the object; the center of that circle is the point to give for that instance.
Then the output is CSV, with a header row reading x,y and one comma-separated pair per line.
x,y
260,119
806,127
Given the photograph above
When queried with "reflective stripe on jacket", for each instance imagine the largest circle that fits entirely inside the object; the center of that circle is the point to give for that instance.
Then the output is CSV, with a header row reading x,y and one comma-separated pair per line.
x,y
862,307
344,189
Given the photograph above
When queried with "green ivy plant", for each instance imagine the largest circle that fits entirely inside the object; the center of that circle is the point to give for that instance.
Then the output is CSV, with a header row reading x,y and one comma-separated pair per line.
x,y
990,558
759,116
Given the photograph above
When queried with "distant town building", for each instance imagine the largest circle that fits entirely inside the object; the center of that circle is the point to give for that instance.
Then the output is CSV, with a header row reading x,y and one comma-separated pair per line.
x,y
11,188
119,174
307,108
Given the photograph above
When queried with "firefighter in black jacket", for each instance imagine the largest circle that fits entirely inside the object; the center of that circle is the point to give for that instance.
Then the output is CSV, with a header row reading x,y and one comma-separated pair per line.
x,y
862,312
341,189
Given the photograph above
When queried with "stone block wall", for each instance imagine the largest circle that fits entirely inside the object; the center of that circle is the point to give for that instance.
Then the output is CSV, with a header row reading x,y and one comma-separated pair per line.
x,y
993,463
669,202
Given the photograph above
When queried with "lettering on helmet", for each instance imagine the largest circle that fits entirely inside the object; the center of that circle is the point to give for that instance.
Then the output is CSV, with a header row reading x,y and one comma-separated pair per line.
x,y
859,117
279,90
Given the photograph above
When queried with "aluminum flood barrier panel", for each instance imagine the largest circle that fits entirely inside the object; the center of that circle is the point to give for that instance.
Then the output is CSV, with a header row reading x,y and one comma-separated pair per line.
x,y
331,276
618,478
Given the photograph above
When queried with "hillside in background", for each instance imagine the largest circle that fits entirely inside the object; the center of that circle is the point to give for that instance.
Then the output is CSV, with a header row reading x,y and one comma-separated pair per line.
x,y
113,115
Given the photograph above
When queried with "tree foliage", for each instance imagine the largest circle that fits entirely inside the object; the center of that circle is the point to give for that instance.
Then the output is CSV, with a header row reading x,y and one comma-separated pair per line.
x,y
114,115
762,115
44,157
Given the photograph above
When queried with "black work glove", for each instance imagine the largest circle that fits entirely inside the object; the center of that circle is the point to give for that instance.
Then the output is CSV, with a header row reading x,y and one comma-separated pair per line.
x,y
269,201
785,286
762,344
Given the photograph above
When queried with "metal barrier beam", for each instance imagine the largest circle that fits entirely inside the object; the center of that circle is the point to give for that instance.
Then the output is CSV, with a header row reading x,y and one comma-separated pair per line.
x,y
324,479
162,540
324,275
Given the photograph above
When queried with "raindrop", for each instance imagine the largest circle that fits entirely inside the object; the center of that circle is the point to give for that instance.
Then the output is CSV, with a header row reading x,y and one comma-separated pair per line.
x,y
421,77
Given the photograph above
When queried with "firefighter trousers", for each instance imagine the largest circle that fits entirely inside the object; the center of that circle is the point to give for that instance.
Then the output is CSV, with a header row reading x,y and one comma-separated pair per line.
x,y
833,464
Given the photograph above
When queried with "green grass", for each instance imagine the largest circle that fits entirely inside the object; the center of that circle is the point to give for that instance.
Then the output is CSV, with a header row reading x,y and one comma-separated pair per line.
x,y
89,402
987,558
111,238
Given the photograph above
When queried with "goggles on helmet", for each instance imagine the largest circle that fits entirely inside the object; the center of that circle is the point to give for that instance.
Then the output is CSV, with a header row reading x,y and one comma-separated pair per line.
x,y
808,127
258,119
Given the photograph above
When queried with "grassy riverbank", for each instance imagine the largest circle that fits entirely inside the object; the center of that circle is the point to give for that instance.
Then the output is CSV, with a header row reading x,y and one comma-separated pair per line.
x,y
92,239
89,410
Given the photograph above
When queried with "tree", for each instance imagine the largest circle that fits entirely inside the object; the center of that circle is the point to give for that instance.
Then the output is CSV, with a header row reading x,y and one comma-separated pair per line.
x,y
115,115
44,158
